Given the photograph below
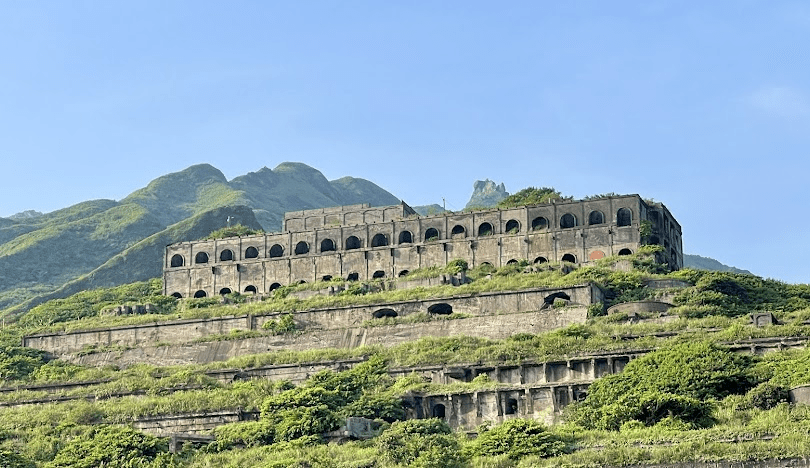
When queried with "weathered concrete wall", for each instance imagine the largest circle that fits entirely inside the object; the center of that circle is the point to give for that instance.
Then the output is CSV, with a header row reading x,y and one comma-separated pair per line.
x,y
495,326
467,410
184,331
385,242
194,423
639,307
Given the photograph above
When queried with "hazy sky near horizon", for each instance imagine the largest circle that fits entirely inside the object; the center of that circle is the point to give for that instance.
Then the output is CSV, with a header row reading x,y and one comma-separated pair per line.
x,y
704,106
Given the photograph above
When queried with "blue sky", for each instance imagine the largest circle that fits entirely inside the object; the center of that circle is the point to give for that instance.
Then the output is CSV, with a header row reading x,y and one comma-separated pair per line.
x,y
704,106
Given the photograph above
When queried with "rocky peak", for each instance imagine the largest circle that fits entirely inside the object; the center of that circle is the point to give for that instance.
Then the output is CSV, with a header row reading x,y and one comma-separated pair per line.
x,y
486,193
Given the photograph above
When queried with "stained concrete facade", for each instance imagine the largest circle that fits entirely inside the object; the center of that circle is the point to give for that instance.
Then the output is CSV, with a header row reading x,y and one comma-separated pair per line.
x,y
360,242
492,315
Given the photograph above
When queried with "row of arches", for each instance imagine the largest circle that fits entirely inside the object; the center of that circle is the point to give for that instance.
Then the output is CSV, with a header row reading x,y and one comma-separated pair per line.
x,y
624,217
380,274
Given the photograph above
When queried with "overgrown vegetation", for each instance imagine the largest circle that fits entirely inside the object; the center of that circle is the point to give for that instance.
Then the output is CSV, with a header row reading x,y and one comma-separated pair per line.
x,y
236,230
531,196
688,400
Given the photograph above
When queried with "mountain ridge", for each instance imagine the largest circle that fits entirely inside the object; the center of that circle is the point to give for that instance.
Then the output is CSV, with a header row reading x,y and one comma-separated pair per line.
x,y
79,244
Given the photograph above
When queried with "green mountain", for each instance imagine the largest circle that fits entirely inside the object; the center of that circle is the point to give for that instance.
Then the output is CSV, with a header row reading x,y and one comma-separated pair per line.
x,y
107,242
706,263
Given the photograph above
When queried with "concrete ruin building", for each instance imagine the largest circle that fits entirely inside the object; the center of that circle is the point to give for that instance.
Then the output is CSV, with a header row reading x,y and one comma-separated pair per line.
x,y
360,242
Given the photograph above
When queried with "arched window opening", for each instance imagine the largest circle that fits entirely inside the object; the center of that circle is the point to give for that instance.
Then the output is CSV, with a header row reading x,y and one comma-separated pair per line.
x,y
177,260
569,258
301,282
438,411
458,230
512,262
384,313
201,257
327,245
512,226
511,406
378,274
274,286
199,294
539,223
225,291
177,295
301,248
568,221
486,263
431,234
353,242
539,260
250,289
596,217
673,254
276,251
625,252
405,237
624,217
326,278
353,277
485,229
440,309
226,255
379,240
554,296
251,252
403,273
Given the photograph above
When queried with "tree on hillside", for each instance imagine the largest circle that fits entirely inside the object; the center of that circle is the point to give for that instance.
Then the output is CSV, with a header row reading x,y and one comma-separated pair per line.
x,y
531,196
233,231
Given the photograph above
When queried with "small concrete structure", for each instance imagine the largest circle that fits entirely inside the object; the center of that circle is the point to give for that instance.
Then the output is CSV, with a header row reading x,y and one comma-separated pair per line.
x,y
763,319
800,394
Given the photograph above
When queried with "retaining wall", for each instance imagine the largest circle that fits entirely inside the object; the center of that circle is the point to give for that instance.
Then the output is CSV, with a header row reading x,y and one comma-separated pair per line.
x,y
184,331
494,326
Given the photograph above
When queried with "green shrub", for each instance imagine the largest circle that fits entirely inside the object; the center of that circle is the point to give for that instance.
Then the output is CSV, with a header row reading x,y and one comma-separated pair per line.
x,y
280,326
517,438
596,310
457,266
376,405
530,196
237,230
110,447
674,381
9,459
425,443
766,396
243,433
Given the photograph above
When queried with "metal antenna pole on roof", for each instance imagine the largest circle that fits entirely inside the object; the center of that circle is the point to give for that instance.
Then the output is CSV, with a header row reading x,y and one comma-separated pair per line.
x,y
444,204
